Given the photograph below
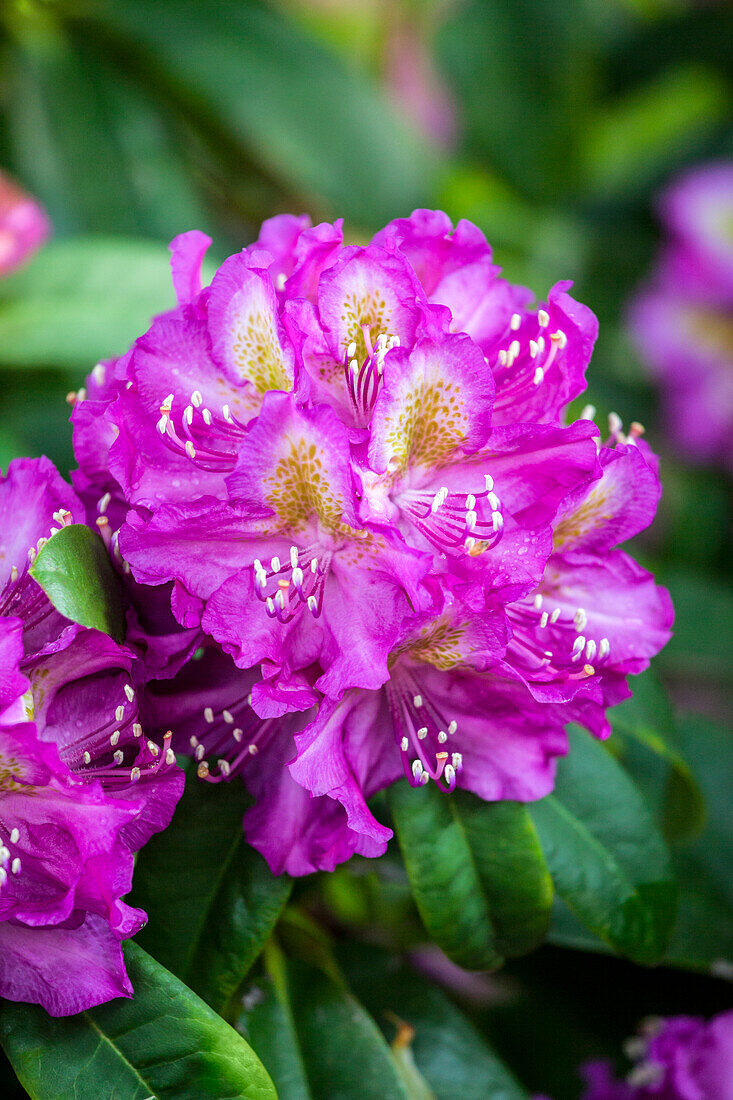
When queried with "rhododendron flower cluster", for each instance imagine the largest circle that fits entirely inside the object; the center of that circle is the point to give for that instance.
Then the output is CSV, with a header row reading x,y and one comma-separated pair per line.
x,y
351,470
680,1058
24,225
683,319
81,786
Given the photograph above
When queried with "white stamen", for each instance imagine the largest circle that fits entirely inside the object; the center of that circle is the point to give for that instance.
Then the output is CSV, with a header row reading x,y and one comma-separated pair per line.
x,y
208,715
515,322
417,700
543,318
196,398
422,732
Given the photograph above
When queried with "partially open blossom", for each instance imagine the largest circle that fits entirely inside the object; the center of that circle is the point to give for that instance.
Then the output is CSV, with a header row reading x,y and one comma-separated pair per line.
x,y
83,787
679,1058
352,469
683,319
24,225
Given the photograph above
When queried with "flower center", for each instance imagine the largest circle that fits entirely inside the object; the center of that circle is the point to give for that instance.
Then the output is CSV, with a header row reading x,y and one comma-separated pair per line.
x,y
234,735
454,521
208,439
286,588
363,380
578,661
523,364
422,733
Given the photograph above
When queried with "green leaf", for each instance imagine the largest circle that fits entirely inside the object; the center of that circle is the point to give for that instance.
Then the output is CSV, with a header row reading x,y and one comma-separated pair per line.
x,y
608,860
211,899
93,146
702,643
703,934
74,570
476,870
645,740
316,1040
449,1052
295,106
163,1043
629,143
82,300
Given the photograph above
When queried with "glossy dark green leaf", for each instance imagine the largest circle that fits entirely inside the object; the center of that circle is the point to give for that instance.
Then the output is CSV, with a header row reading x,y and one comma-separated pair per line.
x,y
476,870
82,300
292,104
449,1053
74,570
608,860
316,1040
163,1043
211,899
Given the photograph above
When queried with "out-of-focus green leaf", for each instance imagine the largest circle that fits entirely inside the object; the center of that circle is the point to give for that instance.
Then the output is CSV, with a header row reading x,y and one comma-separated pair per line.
x,y
606,855
632,141
703,934
164,1042
74,570
82,300
211,899
448,1051
293,104
702,643
92,147
476,870
316,1040
646,741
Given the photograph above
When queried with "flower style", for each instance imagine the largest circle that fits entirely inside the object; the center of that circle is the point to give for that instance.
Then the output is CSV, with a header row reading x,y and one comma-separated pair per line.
x,y
83,787
24,226
683,319
679,1058
350,466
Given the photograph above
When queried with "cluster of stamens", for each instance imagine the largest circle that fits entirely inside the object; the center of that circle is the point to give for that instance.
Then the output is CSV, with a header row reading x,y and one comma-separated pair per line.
x,y
285,588
102,753
543,348
9,864
417,723
472,522
584,656
207,439
232,737
363,380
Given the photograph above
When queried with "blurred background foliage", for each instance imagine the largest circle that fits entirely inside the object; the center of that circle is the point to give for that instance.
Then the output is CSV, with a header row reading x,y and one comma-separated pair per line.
x,y
552,126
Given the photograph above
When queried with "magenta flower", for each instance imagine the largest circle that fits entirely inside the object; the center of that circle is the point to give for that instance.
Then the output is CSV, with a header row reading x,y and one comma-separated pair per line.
x,y
680,1058
683,319
71,730
64,864
351,467
24,226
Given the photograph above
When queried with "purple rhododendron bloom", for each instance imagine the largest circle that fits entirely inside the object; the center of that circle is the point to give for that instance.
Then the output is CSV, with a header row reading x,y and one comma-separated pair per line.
x,y
81,787
24,226
680,1058
683,320
350,468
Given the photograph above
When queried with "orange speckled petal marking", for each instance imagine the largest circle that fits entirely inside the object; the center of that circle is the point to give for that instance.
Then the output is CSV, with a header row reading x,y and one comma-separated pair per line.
x,y
297,463
436,401
243,324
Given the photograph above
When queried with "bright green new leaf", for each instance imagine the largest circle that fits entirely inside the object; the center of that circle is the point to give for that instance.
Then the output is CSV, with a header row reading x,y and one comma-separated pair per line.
x,y
608,860
164,1043
74,570
476,870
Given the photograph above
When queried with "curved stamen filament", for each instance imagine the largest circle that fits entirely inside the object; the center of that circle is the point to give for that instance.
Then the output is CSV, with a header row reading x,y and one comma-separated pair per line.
x,y
363,381
286,588
417,725
472,522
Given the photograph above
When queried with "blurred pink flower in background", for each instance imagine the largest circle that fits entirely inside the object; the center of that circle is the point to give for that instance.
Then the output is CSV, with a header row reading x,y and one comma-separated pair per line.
x,y
682,319
24,225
